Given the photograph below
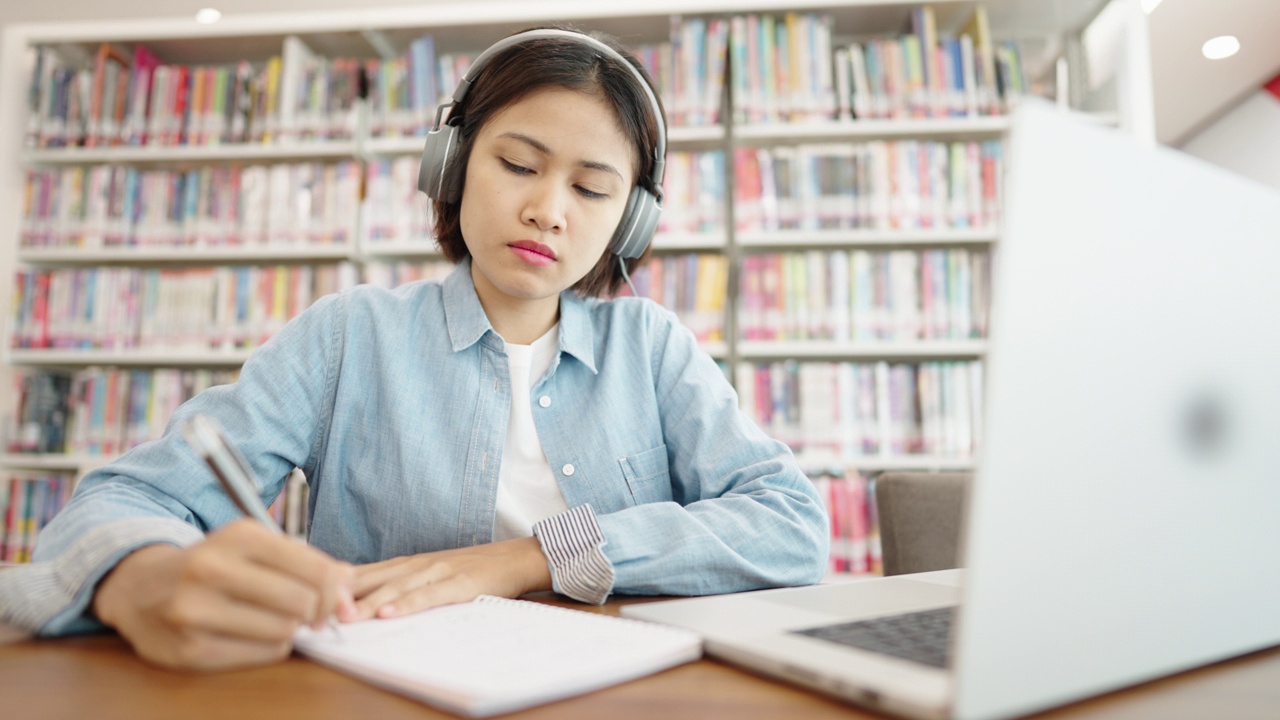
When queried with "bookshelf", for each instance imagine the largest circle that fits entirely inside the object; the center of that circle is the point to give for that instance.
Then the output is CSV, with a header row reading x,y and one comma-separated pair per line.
x,y
727,226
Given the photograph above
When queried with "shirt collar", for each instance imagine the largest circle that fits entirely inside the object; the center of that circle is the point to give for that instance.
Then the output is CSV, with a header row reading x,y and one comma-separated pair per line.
x,y
467,323
463,314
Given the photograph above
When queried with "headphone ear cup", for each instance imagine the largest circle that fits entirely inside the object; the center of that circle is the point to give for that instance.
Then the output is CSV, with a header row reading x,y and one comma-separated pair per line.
x,y
638,225
438,152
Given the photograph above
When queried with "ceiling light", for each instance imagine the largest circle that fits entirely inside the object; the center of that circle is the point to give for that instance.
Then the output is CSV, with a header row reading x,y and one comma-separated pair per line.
x,y
208,16
1149,5
1221,47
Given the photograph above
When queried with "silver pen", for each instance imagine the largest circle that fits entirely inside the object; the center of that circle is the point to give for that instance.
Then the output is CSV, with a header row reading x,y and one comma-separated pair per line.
x,y
206,438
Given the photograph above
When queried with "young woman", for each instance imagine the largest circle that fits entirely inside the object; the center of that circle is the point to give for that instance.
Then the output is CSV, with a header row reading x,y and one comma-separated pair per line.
x,y
503,431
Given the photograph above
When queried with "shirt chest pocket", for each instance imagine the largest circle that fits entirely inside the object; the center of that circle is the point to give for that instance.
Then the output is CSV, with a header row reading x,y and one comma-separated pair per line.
x,y
648,476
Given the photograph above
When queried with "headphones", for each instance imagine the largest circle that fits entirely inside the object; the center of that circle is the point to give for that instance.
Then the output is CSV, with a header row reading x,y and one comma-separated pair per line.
x,y
639,219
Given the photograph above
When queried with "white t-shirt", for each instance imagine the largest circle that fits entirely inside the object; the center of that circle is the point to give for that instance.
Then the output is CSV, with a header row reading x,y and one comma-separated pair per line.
x,y
527,489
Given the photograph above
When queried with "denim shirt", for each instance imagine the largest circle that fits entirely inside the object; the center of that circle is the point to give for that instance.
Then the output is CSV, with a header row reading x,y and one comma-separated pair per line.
x,y
394,403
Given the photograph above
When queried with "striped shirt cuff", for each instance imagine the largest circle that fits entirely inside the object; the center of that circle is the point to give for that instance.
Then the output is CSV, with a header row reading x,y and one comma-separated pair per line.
x,y
53,598
572,542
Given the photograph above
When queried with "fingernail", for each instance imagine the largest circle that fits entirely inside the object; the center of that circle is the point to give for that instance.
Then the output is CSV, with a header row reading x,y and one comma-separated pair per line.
x,y
387,610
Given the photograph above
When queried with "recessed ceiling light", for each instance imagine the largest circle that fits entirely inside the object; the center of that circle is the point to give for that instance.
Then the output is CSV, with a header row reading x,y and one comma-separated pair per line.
x,y
1221,47
208,16
1149,5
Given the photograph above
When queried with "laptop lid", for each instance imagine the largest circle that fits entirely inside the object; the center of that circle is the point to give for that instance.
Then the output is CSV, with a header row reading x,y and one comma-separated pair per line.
x,y
1123,523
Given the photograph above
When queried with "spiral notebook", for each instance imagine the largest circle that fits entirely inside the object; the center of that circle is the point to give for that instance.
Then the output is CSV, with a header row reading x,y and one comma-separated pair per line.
x,y
495,655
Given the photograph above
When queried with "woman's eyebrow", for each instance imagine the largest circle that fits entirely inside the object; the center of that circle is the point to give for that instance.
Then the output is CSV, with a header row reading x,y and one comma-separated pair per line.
x,y
542,148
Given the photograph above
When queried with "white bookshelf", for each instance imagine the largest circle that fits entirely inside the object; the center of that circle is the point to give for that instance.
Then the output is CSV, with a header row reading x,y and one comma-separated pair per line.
x,y
54,462
393,250
937,128
815,462
690,242
128,358
205,154
193,255
469,26
830,350
793,239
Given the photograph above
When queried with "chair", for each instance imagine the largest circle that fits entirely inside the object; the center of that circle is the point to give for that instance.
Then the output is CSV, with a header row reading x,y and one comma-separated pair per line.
x,y
920,517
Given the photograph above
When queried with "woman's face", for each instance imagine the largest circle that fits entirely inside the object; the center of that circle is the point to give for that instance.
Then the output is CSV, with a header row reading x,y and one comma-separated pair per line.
x,y
546,184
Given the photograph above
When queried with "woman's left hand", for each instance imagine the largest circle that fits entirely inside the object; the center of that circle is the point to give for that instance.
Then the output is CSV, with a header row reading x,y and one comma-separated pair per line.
x,y
413,583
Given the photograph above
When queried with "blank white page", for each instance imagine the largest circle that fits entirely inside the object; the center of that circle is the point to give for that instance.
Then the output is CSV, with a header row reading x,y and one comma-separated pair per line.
x,y
495,655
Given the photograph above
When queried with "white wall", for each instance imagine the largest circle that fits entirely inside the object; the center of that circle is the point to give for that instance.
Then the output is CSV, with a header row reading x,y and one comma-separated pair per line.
x,y
1246,140
16,11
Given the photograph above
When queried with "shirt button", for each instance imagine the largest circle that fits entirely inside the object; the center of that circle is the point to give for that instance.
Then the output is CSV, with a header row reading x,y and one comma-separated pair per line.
x,y
567,469
545,401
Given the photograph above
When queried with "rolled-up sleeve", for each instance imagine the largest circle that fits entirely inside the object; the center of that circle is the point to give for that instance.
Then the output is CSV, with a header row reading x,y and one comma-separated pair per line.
x,y
573,544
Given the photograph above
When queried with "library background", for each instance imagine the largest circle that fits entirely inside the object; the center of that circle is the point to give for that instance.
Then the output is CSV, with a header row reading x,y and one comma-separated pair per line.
x,y
175,191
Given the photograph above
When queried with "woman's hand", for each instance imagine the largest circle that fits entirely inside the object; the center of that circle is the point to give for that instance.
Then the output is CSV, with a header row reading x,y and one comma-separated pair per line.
x,y
231,600
405,585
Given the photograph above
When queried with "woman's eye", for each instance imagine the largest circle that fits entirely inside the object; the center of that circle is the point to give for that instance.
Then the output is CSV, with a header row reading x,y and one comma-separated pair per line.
x,y
590,194
518,169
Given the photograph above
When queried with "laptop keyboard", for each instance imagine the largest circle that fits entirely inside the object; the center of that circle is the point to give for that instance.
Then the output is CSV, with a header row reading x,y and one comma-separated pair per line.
x,y
923,637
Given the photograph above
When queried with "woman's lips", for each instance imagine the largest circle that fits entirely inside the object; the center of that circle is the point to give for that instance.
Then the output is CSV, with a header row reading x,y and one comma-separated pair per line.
x,y
533,252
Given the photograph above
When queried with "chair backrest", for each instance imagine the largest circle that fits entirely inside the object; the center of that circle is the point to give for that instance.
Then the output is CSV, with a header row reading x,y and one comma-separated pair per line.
x,y
920,518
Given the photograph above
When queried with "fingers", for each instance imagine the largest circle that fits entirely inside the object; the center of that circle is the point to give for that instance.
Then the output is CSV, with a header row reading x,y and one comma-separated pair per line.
x,y
209,652
396,583
254,584
450,590
410,584
281,574
197,611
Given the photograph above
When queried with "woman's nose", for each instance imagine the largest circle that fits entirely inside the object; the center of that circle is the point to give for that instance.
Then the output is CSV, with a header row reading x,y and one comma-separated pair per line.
x,y
544,207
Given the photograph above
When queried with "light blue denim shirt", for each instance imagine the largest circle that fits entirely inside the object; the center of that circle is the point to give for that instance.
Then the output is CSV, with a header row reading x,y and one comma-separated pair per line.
x,y
395,402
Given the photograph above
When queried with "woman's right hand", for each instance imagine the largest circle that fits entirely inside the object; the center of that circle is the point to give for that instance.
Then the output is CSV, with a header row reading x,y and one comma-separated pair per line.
x,y
231,600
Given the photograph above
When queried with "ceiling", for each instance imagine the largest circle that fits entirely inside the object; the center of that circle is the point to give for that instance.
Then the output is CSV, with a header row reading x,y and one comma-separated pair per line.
x,y
1190,91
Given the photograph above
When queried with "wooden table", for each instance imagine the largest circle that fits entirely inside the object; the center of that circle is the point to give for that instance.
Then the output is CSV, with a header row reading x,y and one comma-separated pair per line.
x,y
99,677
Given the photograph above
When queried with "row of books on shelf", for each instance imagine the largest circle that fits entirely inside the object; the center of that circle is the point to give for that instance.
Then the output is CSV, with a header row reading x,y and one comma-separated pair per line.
x,y
837,295
120,206
27,503
394,274
865,295
691,285
100,411
225,307
792,69
693,192
127,95
393,209
838,409
927,74
404,92
849,410
877,185
694,286
855,525
311,203
207,308
690,69
781,68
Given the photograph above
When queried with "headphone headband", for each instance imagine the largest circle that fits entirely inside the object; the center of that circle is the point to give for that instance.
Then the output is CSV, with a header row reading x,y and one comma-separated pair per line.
x,y
464,85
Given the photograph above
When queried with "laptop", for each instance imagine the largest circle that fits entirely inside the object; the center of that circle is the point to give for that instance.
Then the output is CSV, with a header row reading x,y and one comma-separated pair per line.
x,y
1124,518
